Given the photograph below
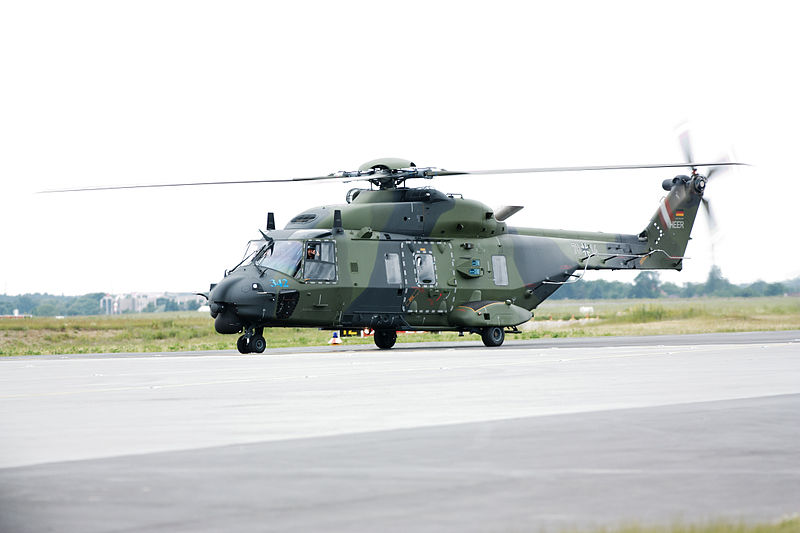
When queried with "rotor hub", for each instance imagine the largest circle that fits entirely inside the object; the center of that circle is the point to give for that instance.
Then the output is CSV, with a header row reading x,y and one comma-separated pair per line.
x,y
699,183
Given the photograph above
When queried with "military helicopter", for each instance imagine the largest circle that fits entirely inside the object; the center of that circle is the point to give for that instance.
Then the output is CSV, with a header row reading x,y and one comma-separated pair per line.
x,y
397,258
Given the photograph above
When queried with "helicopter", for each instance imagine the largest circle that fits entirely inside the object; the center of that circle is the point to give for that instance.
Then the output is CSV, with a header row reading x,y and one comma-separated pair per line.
x,y
398,258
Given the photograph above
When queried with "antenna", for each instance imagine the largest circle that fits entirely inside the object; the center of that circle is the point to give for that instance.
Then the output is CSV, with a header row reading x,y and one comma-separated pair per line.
x,y
337,221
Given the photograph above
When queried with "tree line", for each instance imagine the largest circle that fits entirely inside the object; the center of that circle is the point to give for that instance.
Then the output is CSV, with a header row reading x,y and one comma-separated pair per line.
x,y
88,304
648,285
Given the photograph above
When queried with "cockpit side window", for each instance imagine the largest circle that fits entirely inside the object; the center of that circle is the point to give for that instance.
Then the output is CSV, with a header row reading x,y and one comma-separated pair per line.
x,y
320,261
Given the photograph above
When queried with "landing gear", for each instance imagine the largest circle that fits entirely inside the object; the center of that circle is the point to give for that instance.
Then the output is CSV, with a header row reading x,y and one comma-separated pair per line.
x,y
385,338
258,344
493,336
242,344
252,341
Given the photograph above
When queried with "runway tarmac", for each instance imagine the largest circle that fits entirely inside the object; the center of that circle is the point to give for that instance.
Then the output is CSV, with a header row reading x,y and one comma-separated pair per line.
x,y
535,435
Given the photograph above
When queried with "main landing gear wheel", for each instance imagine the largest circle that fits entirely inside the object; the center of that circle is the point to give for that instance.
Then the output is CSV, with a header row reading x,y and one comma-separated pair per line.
x,y
258,344
493,336
242,345
385,338
247,344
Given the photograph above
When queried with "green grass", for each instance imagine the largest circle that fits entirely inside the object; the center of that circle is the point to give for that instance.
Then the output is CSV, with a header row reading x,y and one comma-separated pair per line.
x,y
666,316
787,525
195,331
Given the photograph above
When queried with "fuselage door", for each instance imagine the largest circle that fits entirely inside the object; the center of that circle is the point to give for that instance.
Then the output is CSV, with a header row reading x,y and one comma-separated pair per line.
x,y
429,275
375,272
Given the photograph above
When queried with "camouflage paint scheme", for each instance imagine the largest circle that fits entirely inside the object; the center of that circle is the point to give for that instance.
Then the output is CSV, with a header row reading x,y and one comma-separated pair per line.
x,y
484,272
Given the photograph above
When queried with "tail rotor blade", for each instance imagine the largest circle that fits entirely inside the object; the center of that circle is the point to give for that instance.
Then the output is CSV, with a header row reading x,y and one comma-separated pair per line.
x,y
686,147
712,222
712,227
716,171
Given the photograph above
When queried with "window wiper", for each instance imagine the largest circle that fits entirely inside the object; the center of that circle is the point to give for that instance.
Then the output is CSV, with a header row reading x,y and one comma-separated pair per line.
x,y
264,249
267,238
238,264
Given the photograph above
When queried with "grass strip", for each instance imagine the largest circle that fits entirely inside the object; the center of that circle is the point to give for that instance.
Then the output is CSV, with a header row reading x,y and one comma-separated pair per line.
x,y
188,331
784,525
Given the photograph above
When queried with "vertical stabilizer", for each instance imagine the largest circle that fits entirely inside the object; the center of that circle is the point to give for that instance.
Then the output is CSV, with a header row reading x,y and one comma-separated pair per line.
x,y
669,229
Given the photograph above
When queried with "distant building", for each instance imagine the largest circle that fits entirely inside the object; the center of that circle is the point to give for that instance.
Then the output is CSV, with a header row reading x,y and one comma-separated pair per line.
x,y
108,305
16,315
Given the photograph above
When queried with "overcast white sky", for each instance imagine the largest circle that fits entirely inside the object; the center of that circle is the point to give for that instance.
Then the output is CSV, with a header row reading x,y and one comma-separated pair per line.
x,y
101,93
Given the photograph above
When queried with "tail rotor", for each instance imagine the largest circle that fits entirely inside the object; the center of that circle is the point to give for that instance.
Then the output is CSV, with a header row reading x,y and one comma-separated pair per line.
x,y
713,172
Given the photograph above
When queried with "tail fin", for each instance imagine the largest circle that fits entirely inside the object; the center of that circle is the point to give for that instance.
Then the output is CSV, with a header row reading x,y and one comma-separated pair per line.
x,y
669,230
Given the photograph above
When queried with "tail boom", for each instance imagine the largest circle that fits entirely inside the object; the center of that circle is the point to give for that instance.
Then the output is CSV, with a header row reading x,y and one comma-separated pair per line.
x,y
661,245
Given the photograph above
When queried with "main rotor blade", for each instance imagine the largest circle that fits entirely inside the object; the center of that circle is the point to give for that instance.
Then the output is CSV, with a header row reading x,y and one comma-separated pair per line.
x,y
190,184
401,174
576,169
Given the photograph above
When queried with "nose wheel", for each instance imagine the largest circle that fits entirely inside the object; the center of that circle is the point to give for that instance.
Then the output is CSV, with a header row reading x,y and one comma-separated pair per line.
x,y
242,345
252,342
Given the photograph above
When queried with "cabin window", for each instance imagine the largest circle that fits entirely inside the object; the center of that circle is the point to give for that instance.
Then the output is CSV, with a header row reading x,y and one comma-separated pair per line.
x,y
320,261
499,270
394,275
425,268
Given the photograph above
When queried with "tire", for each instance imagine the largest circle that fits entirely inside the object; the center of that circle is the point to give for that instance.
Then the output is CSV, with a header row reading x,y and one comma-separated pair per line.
x,y
493,336
258,344
242,345
385,338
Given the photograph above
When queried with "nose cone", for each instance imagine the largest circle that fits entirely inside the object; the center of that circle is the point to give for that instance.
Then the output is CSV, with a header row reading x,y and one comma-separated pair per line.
x,y
223,292
227,321
222,303
239,302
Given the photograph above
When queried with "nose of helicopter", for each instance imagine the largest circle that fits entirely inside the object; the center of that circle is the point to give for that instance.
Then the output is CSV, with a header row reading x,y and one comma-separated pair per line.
x,y
222,303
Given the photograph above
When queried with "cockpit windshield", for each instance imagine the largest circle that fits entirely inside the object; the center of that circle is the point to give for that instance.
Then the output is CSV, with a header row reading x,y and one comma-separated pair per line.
x,y
283,256
253,247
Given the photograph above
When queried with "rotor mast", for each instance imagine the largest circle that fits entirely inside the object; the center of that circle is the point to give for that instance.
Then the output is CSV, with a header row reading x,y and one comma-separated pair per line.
x,y
388,172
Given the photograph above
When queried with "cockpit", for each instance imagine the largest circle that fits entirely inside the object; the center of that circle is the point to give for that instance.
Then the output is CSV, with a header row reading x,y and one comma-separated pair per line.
x,y
313,260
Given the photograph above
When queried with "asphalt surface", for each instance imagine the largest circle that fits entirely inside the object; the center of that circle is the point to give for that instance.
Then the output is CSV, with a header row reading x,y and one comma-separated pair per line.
x,y
537,436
